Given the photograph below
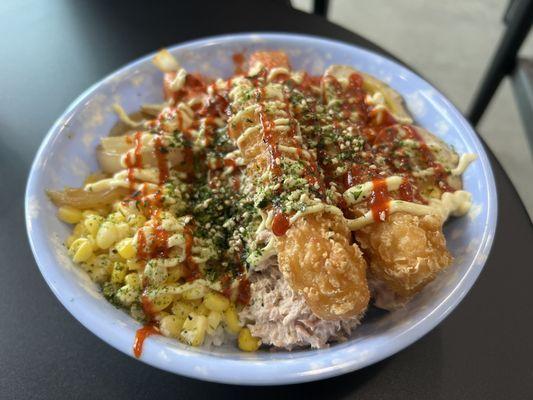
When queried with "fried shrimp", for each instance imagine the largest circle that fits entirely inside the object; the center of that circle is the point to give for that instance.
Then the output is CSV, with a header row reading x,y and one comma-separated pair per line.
x,y
399,168
314,249
317,257
406,252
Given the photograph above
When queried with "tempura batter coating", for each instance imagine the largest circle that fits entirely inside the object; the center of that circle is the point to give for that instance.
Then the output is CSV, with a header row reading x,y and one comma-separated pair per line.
x,y
406,252
320,263
315,253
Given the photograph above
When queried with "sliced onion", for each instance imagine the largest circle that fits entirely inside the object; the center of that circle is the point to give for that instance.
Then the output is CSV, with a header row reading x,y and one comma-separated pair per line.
x,y
153,110
393,100
445,155
166,61
110,160
83,199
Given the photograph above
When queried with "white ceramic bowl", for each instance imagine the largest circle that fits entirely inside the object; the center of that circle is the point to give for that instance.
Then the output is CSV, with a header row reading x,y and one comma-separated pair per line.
x,y
67,155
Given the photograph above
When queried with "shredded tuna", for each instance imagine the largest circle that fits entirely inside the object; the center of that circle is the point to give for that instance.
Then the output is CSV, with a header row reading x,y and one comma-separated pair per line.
x,y
281,318
385,298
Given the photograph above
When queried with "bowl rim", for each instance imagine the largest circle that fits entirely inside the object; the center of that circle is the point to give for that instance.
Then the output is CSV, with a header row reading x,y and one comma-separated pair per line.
x,y
249,369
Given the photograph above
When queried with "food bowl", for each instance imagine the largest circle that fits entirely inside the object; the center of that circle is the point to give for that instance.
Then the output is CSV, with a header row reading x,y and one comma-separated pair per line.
x,y
67,155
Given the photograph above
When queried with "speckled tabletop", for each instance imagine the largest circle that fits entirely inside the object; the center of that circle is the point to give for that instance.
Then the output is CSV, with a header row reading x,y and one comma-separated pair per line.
x,y
51,52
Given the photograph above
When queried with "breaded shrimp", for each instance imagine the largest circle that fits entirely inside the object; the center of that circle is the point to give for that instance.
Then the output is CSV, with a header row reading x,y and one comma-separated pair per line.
x,y
405,253
314,253
317,258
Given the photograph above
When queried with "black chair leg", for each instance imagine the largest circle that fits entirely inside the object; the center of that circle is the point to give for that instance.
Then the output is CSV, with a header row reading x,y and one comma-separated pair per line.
x,y
519,23
320,7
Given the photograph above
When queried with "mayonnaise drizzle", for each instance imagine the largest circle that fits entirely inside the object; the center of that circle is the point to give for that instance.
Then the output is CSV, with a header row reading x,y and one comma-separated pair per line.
x,y
457,204
120,179
358,193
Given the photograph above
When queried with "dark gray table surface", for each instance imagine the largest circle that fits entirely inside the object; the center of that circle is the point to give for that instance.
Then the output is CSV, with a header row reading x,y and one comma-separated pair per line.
x,y
50,51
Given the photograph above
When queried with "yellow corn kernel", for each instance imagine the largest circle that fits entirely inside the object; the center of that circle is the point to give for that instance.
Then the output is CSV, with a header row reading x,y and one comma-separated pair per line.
x,y
103,261
88,265
137,312
98,275
70,215
194,329
122,207
160,315
155,273
171,326
126,249
136,220
231,318
161,301
123,230
133,265
107,235
99,268
195,293
213,321
74,246
133,280
127,295
83,250
114,256
176,273
92,223
119,272
116,217
202,310
247,342
70,240
181,309
216,302
79,229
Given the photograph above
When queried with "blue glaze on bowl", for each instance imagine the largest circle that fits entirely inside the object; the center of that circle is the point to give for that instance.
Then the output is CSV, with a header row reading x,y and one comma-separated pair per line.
x,y
67,155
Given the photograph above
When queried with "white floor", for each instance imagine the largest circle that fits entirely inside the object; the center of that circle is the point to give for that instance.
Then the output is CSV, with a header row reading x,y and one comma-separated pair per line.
x,y
450,42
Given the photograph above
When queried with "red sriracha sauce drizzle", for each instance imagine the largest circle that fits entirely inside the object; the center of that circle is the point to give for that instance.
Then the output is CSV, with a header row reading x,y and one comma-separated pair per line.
x,y
429,158
370,123
158,246
140,337
244,294
161,157
148,307
238,62
160,243
147,330
380,132
379,200
357,93
280,224
134,160
407,192
141,245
